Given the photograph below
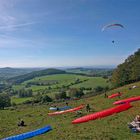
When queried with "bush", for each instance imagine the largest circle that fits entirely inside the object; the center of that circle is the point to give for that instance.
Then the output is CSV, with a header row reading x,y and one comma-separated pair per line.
x,y
28,102
99,89
42,98
61,95
13,104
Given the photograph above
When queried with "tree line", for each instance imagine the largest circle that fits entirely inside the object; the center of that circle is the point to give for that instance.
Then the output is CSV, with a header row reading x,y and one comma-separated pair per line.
x,y
127,72
72,93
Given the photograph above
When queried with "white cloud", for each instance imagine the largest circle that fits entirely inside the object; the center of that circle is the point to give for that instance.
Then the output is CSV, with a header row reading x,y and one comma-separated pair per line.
x,y
12,27
6,17
11,19
36,43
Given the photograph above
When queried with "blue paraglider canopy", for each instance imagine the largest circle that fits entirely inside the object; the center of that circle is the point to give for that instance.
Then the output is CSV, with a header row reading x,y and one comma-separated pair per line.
x,y
60,108
30,134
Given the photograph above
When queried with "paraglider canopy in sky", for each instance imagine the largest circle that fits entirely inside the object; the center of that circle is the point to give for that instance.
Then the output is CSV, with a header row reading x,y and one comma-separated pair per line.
x,y
112,25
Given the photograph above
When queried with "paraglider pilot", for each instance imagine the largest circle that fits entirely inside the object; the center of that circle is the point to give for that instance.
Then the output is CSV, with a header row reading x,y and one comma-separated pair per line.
x,y
66,103
87,108
21,123
113,41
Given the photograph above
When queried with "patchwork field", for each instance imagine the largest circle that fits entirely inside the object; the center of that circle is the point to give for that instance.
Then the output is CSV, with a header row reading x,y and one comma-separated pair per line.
x,y
63,80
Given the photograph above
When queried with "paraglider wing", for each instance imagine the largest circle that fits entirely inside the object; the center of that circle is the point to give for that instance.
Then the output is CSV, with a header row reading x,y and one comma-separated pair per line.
x,y
59,108
128,100
114,95
101,114
112,25
30,134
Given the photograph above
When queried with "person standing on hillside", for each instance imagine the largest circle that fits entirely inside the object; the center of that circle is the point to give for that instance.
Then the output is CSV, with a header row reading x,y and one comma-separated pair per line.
x,y
87,108
105,95
119,94
21,122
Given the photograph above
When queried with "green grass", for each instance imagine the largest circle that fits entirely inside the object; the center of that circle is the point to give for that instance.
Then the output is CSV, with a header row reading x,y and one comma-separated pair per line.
x,y
17,87
92,82
20,100
109,128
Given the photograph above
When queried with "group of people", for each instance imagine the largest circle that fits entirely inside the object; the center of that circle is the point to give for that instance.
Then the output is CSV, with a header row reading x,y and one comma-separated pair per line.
x,y
135,124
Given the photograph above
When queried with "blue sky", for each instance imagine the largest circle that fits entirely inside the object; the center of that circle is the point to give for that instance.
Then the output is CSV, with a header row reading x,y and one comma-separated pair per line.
x,y
57,33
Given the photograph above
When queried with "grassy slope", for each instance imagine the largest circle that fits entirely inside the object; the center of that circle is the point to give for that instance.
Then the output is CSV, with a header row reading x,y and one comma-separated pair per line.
x,y
93,82
110,128
20,100
65,79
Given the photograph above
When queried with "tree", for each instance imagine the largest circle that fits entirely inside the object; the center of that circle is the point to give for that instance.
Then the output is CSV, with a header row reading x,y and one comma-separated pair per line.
x,y
98,89
37,98
5,101
25,93
46,98
29,93
57,96
106,89
74,92
63,95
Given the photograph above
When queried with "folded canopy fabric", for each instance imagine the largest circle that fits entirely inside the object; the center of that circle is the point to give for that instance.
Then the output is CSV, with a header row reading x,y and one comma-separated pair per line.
x,y
60,108
115,95
30,134
66,111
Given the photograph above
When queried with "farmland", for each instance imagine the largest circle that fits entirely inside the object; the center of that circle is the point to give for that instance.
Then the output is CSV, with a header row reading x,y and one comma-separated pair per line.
x,y
63,80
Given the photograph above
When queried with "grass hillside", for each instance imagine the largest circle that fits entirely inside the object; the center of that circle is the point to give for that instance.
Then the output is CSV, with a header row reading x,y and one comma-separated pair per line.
x,y
109,128
18,100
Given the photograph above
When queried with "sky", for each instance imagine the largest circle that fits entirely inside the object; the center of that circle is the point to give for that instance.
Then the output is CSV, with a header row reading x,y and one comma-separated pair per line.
x,y
64,33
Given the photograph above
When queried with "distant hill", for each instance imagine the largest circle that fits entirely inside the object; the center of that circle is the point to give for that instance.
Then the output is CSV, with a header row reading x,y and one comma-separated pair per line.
x,y
8,72
28,76
91,71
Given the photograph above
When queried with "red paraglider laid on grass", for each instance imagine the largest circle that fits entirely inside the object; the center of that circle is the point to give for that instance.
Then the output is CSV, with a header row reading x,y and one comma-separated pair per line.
x,y
115,95
102,114
132,99
65,111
